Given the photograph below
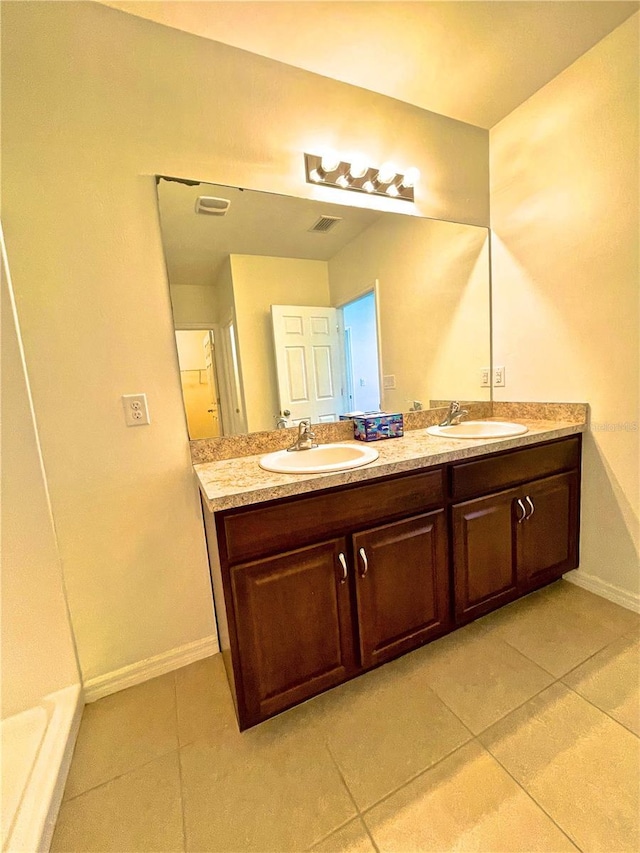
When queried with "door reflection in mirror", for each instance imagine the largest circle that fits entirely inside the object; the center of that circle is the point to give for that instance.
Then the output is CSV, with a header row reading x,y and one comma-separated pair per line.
x,y
309,360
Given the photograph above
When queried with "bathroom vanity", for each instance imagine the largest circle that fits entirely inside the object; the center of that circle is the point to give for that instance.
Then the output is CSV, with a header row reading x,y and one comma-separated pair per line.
x,y
343,573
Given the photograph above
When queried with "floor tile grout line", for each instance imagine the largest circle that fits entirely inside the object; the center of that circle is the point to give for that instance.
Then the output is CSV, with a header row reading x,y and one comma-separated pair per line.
x,y
598,708
495,631
517,708
529,795
476,734
179,756
353,799
577,666
121,775
451,711
333,832
369,833
357,816
595,654
413,778
342,779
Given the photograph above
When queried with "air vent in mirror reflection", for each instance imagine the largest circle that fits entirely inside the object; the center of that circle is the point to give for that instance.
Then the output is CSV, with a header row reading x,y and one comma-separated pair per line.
x,y
325,223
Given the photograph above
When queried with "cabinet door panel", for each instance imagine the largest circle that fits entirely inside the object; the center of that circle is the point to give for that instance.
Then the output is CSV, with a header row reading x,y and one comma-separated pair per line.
x,y
403,597
484,554
294,626
547,539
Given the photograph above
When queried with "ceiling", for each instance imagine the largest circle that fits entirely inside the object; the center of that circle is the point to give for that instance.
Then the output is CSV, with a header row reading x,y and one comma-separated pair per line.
x,y
468,59
196,245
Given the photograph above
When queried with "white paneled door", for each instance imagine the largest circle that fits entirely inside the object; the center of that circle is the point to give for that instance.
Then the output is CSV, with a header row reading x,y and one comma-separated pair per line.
x,y
308,356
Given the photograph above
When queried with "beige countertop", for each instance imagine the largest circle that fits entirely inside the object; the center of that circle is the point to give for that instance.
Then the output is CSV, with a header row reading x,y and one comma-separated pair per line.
x,y
240,481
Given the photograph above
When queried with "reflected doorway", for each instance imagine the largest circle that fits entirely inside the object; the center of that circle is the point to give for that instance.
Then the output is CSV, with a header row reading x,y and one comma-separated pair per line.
x,y
362,354
198,378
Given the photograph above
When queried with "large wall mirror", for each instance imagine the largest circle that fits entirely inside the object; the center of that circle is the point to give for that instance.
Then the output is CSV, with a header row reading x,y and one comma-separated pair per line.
x,y
288,308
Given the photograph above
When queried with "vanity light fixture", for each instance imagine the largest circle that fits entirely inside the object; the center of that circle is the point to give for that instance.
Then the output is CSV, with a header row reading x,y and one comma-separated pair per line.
x,y
333,171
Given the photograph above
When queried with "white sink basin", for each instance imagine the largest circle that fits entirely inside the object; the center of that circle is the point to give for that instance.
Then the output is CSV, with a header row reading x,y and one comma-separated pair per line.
x,y
479,429
318,460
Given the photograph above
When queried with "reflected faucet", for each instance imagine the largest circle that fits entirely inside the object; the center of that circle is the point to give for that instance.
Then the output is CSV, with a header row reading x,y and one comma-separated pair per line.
x,y
454,415
306,437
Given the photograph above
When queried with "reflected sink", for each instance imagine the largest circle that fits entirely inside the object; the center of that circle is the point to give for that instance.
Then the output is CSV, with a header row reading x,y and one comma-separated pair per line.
x,y
318,460
479,429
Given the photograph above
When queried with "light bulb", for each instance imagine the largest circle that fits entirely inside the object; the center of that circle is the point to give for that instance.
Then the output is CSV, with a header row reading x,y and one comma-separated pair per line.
x,y
386,173
343,181
368,186
393,190
330,161
315,176
358,168
411,177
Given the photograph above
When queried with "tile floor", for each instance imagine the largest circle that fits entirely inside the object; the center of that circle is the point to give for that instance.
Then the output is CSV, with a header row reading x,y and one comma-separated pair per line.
x,y
519,732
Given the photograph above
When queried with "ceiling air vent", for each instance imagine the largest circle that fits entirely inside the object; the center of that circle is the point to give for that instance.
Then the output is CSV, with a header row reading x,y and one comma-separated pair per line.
x,y
212,206
325,223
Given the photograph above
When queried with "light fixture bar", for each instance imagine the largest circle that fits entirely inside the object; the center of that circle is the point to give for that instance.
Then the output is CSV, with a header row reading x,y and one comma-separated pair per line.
x,y
365,180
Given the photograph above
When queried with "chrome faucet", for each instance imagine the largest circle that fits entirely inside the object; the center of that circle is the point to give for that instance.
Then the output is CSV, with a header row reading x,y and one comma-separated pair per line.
x,y
306,437
454,414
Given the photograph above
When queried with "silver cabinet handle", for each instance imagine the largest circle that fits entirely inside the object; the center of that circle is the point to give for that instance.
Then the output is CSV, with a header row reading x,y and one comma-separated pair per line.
x,y
365,562
522,517
533,509
343,563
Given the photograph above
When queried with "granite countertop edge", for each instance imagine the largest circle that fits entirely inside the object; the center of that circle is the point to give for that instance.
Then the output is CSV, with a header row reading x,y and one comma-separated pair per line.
x,y
238,482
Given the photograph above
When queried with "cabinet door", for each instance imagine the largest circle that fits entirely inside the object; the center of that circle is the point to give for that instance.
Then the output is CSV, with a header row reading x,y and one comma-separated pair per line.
x,y
484,554
548,536
402,585
294,625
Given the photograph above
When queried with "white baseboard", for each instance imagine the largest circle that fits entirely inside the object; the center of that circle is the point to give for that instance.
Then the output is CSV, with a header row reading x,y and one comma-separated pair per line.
x,y
623,597
136,673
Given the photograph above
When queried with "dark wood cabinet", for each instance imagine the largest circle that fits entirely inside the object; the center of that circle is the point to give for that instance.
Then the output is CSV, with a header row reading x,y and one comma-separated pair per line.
x,y
547,535
484,564
508,543
294,625
401,586
314,589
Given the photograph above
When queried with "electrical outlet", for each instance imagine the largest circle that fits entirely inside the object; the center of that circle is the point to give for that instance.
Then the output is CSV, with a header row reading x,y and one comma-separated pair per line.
x,y
499,380
485,377
136,412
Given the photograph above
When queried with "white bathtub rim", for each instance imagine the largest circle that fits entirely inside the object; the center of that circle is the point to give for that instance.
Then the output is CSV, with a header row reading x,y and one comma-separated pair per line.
x,y
35,822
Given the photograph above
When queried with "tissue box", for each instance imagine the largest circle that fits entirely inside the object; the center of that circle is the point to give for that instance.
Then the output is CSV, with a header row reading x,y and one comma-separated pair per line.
x,y
378,425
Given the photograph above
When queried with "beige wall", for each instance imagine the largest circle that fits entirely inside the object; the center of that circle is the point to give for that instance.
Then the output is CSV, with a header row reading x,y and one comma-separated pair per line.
x,y
434,303
564,207
193,303
190,344
258,283
38,656
94,103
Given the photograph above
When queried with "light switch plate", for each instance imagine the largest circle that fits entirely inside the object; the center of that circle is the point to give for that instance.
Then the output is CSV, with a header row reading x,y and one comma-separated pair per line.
x,y
499,379
485,377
